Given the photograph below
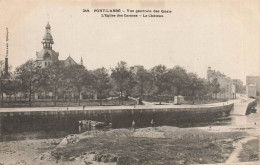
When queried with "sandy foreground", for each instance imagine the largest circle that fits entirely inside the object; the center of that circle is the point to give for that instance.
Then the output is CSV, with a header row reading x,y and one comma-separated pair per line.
x,y
159,145
25,151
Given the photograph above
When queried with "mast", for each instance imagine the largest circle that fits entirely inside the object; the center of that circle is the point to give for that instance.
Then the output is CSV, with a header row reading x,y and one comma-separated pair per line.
x,y
81,61
6,57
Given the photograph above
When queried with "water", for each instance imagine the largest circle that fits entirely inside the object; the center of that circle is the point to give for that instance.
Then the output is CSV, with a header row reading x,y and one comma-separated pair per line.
x,y
35,128
249,124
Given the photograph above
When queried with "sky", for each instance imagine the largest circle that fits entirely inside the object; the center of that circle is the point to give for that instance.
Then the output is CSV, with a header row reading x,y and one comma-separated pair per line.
x,y
197,34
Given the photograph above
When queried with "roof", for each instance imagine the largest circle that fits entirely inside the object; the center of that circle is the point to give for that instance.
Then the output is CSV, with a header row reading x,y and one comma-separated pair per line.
x,y
44,53
47,38
252,85
69,61
48,26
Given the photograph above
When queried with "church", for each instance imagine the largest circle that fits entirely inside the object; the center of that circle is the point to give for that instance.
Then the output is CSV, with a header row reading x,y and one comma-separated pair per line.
x,y
47,55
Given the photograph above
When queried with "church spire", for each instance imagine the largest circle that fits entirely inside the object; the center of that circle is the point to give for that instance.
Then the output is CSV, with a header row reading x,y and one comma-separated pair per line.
x,y
47,39
81,61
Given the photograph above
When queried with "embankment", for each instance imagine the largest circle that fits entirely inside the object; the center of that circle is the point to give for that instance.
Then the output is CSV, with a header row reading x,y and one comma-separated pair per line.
x,y
59,119
244,107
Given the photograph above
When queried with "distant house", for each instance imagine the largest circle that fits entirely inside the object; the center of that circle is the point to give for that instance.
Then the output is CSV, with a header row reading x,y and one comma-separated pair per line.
x,y
227,86
251,90
253,87
254,80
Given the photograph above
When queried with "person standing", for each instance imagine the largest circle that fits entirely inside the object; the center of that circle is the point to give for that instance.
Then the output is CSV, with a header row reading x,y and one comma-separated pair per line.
x,y
133,125
152,123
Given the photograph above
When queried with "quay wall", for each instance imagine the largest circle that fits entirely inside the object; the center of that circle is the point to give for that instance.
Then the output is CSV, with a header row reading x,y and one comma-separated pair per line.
x,y
251,105
244,107
60,119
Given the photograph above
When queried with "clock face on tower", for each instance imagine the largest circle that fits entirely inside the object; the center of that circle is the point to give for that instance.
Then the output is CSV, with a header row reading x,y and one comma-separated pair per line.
x,y
47,56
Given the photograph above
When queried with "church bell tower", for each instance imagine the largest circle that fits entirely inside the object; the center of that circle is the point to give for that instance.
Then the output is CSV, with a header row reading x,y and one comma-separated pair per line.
x,y
47,55
47,39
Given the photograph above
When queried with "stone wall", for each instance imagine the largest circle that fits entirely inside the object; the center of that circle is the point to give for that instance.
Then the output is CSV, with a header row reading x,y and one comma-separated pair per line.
x,y
24,121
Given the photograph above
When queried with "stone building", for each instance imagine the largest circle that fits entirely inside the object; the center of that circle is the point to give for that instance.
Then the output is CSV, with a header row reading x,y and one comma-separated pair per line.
x,y
227,87
240,88
47,55
253,87
251,90
254,80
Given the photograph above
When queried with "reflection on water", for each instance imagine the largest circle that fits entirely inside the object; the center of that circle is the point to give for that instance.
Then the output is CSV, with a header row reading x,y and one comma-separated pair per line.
x,y
46,134
250,124
249,120
58,128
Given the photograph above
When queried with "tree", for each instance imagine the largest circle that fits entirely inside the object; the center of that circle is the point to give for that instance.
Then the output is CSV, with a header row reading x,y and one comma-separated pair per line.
x,y
158,73
240,88
78,78
177,79
28,76
123,78
54,79
1,82
195,85
101,81
206,90
7,83
215,86
144,81
129,84
11,86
